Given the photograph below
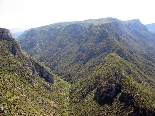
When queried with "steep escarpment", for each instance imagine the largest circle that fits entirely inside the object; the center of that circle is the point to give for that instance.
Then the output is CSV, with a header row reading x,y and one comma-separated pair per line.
x,y
43,72
27,87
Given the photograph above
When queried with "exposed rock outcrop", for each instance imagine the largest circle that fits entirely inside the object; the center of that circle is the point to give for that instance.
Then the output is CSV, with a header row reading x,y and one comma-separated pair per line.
x,y
44,73
5,34
107,93
127,99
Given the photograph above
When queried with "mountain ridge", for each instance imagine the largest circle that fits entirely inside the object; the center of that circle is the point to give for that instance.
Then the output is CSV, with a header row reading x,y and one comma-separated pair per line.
x,y
109,63
113,29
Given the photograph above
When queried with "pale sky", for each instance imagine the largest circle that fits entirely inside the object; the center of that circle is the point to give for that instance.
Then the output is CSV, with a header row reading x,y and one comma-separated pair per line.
x,y
35,13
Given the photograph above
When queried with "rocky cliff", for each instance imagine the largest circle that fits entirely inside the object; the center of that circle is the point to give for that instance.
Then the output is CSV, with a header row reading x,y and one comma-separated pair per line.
x,y
5,34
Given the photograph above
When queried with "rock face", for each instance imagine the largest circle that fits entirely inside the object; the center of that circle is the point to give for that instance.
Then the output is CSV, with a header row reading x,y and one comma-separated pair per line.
x,y
128,100
107,93
5,33
44,73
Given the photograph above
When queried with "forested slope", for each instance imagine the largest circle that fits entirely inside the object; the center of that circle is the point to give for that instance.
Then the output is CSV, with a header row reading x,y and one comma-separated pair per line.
x,y
27,87
110,64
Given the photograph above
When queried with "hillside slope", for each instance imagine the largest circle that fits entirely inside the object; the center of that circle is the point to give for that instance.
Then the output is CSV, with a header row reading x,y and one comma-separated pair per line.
x,y
26,86
115,88
70,49
109,63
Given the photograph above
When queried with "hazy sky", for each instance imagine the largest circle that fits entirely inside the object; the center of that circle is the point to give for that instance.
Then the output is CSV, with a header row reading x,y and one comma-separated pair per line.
x,y
35,13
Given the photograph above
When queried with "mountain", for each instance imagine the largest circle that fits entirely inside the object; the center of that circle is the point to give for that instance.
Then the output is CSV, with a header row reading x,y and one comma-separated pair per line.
x,y
27,87
68,48
109,63
112,89
151,27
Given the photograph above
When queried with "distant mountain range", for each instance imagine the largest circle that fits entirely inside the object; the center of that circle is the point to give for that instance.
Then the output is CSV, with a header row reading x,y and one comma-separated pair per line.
x,y
109,63
17,32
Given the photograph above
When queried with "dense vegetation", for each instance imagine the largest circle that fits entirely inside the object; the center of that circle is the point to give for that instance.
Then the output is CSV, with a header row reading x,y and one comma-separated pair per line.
x,y
88,98
26,90
109,63
71,49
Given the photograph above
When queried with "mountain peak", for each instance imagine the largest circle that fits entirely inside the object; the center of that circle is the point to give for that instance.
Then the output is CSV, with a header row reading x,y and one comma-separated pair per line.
x,y
5,34
135,23
135,20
